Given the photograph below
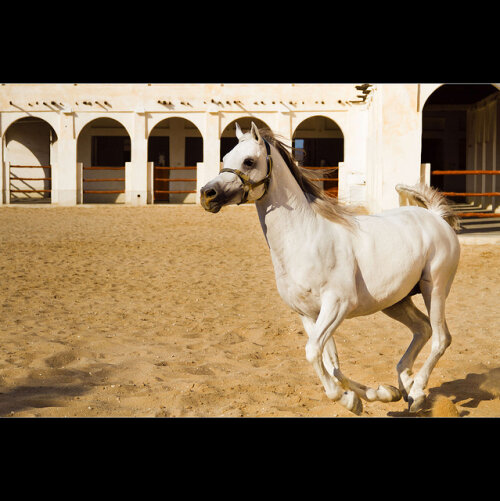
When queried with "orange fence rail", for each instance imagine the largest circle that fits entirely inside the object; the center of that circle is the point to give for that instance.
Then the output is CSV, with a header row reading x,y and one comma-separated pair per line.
x,y
102,180
332,191
31,190
324,168
173,180
470,194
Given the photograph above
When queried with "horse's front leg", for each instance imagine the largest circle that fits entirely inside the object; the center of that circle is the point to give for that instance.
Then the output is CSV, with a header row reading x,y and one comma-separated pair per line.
x,y
331,315
384,393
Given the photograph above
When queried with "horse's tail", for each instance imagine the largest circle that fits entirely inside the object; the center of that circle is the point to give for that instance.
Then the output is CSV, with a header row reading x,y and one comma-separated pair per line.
x,y
428,198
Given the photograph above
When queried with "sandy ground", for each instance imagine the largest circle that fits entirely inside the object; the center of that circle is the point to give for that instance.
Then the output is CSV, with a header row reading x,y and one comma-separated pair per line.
x,y
171,311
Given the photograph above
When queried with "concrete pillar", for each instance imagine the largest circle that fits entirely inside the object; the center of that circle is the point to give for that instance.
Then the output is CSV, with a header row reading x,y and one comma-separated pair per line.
x,y
425,174
352,172
65,183
136,171
401,140
211,151
150,183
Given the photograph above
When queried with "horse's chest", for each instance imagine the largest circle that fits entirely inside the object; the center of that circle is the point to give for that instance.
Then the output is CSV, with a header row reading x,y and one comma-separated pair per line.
x,y
299,289
302,263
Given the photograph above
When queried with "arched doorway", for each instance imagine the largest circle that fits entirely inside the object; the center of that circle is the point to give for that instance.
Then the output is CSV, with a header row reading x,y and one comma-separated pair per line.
x,y
228,138
460,141
318,144
103,148
175,146
30,155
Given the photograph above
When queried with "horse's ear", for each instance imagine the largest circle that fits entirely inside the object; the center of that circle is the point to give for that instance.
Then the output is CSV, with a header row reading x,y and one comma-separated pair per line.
x,y
255,133
239,133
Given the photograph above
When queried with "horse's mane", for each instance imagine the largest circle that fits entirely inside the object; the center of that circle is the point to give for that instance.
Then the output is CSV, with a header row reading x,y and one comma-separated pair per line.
x,y
323,204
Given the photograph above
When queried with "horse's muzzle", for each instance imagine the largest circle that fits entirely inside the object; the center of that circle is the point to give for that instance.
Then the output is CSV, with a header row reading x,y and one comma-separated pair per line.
x,y
210,199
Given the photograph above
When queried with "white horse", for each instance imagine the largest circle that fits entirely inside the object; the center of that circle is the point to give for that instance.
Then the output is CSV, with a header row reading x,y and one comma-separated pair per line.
x,y
331,264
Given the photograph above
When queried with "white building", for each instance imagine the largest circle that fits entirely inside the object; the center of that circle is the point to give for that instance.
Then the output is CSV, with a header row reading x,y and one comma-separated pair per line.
x,y
159,143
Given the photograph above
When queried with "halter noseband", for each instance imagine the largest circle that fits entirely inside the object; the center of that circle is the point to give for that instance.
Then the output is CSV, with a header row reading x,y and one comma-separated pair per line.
x,y
248,184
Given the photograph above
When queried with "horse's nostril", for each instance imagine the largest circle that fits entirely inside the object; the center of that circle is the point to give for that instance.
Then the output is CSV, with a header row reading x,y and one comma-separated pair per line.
x,y
210,193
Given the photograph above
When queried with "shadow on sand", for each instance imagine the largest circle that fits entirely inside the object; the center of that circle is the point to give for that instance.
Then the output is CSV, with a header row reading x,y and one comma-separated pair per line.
x,y
468,392
50,388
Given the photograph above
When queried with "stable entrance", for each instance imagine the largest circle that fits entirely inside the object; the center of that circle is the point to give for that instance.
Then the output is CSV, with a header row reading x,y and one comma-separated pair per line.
x,y
319,147
103,149
30,148
175,147
159,154
460,141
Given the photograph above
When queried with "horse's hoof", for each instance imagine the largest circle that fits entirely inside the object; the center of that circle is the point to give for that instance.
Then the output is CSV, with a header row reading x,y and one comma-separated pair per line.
x,y
415,405
388,393
352,402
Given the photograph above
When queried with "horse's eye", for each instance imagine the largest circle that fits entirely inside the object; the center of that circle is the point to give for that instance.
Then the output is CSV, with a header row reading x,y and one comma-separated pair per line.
x,y
249,162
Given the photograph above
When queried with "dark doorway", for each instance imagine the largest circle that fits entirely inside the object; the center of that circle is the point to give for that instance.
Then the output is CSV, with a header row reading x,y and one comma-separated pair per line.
x,y
321,151
110,151
193,151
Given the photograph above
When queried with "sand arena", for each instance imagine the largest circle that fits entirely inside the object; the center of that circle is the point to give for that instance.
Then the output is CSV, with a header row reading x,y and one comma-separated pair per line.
x,y
171,311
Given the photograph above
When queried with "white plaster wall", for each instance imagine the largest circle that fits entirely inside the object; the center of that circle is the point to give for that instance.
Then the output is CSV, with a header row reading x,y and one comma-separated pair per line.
x,y
382,138
352,174
400,126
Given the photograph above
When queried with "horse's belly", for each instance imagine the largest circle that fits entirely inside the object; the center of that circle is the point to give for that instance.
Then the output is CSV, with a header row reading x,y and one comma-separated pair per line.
x,y
380,288
391,254
369,304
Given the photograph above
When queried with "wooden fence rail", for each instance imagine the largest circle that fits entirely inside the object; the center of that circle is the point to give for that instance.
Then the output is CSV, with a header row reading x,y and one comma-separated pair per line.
x,y
464,172
173,180
102,180
332,191
31,189
470,194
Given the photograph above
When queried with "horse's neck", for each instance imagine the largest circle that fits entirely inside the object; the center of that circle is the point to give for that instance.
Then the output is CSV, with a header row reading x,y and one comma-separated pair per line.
x,y
284,212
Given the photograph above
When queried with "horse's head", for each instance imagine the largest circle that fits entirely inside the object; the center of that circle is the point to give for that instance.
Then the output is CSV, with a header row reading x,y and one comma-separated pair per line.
x,y
245,175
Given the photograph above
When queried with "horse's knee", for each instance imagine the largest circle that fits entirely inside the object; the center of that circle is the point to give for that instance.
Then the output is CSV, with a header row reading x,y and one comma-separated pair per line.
x,y
425,331
313,352
441,345
421,334
442,340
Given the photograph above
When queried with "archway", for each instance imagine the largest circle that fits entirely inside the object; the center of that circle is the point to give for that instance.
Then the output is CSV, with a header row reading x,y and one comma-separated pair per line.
x,y
175,146
318,144
103,148
460,142
228,138
30,155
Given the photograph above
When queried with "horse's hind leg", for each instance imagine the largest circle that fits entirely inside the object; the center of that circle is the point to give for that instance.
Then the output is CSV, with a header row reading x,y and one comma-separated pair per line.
x,y
434,297
408,314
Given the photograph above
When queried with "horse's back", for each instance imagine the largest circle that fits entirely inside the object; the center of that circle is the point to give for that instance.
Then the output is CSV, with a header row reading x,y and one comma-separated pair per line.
x,y
411,224
415,231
